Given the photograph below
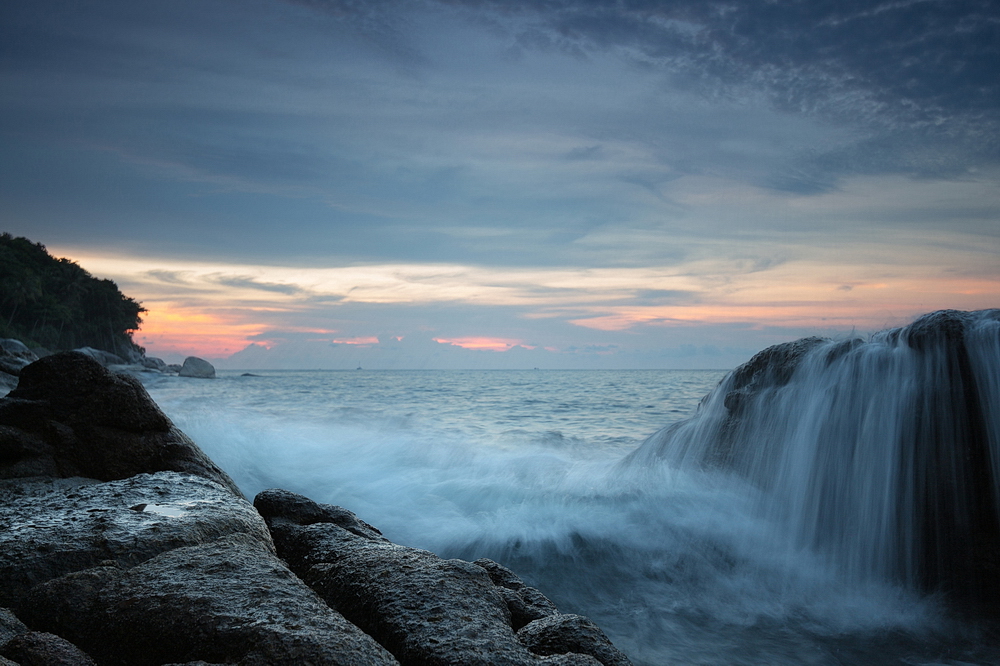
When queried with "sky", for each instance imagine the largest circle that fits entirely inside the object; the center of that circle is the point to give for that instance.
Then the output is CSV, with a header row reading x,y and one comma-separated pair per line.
x,y
507,184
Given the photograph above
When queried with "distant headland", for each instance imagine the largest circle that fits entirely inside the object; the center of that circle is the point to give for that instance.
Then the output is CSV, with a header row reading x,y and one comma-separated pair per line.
x,y
54,304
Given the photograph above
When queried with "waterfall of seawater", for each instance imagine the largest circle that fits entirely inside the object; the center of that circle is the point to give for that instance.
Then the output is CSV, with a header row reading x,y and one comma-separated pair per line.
x,y
881,456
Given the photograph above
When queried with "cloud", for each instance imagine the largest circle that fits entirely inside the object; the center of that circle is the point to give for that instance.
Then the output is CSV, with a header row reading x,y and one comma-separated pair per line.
x,y
664,296
585,153
907,72
639,176
168,276
245,282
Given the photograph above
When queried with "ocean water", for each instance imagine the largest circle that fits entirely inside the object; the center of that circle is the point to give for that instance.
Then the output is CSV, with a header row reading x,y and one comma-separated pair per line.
x,y
678,563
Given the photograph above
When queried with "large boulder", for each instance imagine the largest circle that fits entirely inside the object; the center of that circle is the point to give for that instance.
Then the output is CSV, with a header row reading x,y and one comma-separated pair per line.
x,y
197,367
228,601
884,450
69,416
422,608
50,528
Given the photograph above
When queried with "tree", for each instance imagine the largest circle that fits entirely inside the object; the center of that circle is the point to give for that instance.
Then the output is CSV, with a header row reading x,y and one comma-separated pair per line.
x,y
54,303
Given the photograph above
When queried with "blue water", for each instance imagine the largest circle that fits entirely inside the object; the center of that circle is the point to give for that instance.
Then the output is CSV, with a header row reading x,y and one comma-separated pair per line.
x,y
679,566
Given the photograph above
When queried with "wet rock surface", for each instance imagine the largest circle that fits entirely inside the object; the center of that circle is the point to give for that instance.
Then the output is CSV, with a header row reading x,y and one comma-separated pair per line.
x,y
44,649
10,625
525,603
770,368
69,416
47,530
422,608
227,601
557,634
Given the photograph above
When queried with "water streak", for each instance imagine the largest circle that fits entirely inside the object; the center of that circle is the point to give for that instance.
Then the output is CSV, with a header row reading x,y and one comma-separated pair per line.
x,y
881,456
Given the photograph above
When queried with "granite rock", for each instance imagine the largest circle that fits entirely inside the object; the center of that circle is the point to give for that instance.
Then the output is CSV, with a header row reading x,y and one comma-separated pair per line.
x,y
228,601
558,634
47,529
10,626
197,367
525,603
39,648
103,357
422,608
69,416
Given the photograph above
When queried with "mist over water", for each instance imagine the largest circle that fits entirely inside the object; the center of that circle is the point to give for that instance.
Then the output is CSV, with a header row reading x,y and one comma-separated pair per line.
x,y
678,561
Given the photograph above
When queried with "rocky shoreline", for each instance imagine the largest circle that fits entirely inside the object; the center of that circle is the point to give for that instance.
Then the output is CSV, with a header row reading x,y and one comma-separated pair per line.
x,y
122,543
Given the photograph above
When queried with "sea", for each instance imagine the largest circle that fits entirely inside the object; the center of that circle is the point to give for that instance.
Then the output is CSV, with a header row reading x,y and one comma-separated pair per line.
x,y
679,564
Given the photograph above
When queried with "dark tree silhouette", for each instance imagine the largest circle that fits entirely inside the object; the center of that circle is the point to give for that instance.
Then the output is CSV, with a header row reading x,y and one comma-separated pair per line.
x,y
54,303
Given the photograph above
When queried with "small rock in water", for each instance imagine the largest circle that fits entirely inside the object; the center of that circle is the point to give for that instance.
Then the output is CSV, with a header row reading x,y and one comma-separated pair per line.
x,y
197,367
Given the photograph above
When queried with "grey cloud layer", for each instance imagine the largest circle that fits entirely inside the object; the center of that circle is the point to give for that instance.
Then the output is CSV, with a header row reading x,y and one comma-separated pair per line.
x,y
392,130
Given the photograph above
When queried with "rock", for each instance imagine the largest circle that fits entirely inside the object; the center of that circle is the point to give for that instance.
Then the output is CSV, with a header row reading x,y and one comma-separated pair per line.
x,y
118,535
8,382
570,659
153,363
133,356
227,601
38,648
910,411
13,356
422,608
277,505
770,368
945,437
558,634
18,349
69,416
524,603
173,367
102,357
197,367
10,626
48,530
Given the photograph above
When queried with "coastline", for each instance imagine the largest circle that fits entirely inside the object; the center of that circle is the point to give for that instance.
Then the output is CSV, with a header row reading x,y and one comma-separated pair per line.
x,y
130,522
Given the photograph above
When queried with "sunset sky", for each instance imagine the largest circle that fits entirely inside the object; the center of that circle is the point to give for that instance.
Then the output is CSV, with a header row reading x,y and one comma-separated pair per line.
x,y
477,183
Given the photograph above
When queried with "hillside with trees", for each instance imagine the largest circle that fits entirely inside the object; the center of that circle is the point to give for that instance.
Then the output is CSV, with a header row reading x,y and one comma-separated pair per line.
x,y
56,304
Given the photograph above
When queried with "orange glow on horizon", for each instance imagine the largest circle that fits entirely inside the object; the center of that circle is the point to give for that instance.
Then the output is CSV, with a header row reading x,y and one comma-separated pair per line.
x,y
217,310
190,331
363,340
491,344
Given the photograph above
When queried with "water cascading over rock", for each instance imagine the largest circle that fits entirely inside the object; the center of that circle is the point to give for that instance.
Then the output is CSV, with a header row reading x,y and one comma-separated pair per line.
x,y
881,455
